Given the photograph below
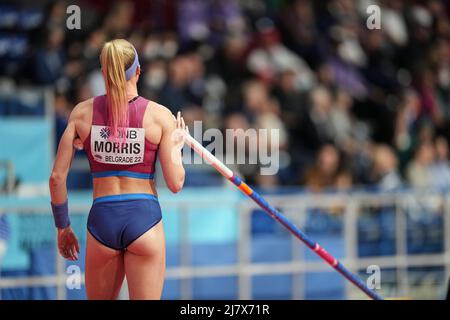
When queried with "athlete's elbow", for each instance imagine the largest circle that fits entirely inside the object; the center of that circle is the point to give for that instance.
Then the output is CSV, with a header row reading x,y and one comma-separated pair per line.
x,y
176,186
56,180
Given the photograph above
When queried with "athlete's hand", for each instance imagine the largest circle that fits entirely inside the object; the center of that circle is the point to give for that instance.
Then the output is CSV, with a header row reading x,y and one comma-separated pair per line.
x,y
78,144
180,131
68,244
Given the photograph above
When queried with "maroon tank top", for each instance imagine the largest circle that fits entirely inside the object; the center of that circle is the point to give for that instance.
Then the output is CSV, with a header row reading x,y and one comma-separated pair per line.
x,y
132,156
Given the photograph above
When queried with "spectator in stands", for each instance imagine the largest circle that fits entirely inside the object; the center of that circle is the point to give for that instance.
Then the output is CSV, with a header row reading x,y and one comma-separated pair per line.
x,y
49,60
317,129
326,76
236,122
271,57
419,173
193,23
344,180
407,115
341,61
394,23
92,49
174,93
323,173
292,101
225,16
342,121
293,112
440,59
301,28
429,106
229,64
441,167
385,168
155,76
196,87
208,21
119,20
57,15
268,119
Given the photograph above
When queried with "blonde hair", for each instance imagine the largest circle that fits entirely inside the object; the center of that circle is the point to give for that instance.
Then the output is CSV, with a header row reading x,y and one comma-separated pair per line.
x,y
116,56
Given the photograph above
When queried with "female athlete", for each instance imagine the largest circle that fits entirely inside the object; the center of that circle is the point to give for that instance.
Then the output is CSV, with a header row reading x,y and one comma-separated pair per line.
x,y
122,134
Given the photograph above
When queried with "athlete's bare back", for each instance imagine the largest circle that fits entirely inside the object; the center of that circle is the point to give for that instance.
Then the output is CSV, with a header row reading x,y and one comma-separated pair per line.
x,y
157,120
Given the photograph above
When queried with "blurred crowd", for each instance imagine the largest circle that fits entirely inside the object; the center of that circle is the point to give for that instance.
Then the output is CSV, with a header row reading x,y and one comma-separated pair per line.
x,y
353,106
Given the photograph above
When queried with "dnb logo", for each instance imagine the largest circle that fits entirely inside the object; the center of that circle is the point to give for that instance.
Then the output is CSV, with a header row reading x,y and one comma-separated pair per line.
x,y
104,133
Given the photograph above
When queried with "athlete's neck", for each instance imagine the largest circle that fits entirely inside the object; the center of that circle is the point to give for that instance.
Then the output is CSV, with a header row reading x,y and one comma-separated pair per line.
x,y
131,90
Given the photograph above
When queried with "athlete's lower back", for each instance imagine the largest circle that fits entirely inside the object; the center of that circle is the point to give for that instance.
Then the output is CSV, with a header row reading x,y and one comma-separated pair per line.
x,y
122,185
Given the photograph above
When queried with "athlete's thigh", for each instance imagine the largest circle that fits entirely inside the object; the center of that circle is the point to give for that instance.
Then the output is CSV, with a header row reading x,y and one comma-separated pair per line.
x,y
104,272
145,264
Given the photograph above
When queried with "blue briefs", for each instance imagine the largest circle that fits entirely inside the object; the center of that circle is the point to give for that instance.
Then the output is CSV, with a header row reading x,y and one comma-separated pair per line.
x,y
117,220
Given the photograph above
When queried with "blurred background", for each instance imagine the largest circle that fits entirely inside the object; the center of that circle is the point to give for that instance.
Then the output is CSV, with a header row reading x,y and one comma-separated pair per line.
x,y
363,117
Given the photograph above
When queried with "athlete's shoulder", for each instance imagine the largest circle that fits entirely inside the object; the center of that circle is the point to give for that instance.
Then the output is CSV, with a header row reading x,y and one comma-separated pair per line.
x,y
159,111
81,108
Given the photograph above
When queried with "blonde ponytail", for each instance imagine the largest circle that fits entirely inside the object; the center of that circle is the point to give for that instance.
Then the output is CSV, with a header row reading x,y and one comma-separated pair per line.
x,y
116,56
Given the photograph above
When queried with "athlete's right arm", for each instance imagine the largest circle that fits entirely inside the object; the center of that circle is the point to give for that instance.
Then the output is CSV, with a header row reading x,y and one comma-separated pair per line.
x,y
67,241
63,160
170,147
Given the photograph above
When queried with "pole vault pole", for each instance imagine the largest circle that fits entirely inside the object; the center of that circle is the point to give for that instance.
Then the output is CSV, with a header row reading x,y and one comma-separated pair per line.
x,y
279,217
